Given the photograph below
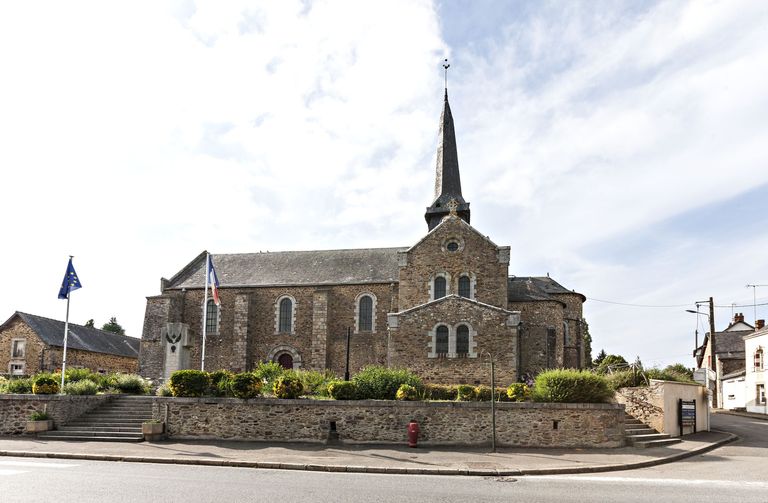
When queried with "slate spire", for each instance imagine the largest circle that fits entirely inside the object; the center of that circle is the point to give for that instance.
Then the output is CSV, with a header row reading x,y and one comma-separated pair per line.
x,y
447,180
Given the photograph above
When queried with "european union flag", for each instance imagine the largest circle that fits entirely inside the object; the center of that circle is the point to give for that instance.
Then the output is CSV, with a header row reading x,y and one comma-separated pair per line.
x,y
70,281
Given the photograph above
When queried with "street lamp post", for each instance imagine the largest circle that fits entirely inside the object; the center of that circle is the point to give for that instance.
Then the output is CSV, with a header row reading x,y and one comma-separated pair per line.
x,y
712,364
346,367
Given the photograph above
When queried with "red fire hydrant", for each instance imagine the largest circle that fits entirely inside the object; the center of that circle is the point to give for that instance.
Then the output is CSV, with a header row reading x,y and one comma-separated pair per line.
x,y
413,433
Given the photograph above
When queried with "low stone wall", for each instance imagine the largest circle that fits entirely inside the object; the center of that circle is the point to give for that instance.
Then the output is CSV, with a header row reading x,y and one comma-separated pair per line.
x,y
644,403
383,422
16,409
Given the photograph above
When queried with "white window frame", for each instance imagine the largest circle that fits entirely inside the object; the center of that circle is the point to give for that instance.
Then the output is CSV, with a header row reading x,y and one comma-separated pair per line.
x,y
292,331
758,360
14,344
760,394
21,365
373,312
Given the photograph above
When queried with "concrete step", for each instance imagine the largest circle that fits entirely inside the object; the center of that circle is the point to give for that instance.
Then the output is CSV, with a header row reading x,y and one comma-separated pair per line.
x,y
101,428
117,415
661,442
87,422
90,433
102,437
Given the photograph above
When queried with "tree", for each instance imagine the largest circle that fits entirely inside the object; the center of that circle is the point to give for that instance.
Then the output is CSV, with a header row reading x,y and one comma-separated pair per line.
x,y
89,323
600,357
113,326
587,343
612,362
679,368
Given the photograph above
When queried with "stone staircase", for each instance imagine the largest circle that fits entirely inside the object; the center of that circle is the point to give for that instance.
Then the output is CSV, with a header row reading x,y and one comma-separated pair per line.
x,y
638,434
118,420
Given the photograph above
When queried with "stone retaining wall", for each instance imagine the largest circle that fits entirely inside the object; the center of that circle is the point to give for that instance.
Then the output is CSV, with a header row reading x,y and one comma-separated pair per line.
x,y
383,422
656,405
16,409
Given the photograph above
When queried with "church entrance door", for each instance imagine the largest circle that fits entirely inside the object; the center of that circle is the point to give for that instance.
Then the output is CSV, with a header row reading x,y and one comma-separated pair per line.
x,y
285,360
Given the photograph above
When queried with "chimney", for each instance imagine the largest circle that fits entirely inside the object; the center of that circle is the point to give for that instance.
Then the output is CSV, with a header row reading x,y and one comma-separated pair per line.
x,y
759,324
738,317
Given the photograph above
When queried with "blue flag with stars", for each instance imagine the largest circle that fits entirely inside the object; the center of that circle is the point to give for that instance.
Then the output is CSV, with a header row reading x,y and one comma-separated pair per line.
x,y
71,282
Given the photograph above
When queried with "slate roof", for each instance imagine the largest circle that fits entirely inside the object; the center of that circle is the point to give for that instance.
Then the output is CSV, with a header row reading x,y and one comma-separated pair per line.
x,y
83,338
731,343
316,267
535,288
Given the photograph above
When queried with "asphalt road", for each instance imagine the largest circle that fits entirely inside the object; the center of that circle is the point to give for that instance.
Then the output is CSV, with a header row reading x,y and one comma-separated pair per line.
x,y
734,473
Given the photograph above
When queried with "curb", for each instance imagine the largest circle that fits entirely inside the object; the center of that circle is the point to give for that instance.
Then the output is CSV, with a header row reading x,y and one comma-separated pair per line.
x,y
377,469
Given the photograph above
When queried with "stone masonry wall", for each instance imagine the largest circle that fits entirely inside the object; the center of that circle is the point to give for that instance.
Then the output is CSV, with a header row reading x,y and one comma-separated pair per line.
x,y
34,352
369,421
477,256
16,409
644,403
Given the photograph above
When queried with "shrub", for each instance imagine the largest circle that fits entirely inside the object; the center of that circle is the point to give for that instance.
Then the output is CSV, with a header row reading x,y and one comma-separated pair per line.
x,y
245,385
482,393
465,393
439,392
518,392
19,386
164,390
343,390
189,383
75,374
379,383
288,386
315,382
39,415
3,385
625,378
105,381
82,387
267,372
221,381
132,384
45,384
668,374
406,392
571,386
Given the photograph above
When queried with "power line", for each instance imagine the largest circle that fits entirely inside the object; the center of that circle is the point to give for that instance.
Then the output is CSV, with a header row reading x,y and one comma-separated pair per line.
x,y
668,306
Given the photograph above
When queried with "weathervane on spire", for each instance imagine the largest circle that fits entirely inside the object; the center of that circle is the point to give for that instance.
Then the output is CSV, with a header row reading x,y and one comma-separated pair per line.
x,y
446,66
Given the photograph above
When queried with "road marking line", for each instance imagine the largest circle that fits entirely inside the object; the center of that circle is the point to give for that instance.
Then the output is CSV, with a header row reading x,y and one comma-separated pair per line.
x,y
685,482
34,464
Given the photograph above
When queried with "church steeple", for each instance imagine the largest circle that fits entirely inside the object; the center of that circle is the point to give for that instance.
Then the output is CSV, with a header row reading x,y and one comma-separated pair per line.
x,y
447,180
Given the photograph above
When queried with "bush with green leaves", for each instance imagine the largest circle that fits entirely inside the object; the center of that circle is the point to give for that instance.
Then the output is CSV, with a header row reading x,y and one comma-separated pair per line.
x,y
19,386
439,392
3,385
39,415
245,385
45,384
380,383
105,381
287,386
78,374
221,381
518,392
626,379
267,372
315,382
571,386
132,384
406,392
668,374
163,390
189,383
343,390
483,393
82,387
465,393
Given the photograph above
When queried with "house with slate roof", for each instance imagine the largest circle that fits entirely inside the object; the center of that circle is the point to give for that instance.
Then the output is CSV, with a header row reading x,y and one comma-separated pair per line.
x,y
30,344
439,307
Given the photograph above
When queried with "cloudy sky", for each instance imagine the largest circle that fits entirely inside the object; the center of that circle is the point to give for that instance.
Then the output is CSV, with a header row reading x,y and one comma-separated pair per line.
x,y
618,146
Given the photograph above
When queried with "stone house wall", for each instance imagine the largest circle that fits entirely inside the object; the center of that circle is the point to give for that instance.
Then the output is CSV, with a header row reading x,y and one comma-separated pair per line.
x,y
385,422
16,409
40,357
656,405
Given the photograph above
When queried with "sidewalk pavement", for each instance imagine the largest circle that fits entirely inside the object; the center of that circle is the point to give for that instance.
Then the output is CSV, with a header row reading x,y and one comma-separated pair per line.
x,y
454,460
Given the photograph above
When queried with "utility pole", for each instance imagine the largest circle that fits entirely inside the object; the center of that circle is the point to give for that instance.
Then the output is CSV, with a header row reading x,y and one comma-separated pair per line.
x,y
713,354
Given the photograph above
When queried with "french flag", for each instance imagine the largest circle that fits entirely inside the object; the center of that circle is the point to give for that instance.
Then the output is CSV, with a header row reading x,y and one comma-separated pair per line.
x,y
213,280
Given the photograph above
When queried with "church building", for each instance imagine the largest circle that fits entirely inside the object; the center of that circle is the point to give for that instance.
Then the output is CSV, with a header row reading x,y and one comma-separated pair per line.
x,y
442,307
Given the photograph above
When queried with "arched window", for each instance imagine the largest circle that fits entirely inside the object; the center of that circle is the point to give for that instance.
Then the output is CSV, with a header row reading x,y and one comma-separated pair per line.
x,y
464,288
211,317
286,316
365,314
441,340
759,359
439,287
462,340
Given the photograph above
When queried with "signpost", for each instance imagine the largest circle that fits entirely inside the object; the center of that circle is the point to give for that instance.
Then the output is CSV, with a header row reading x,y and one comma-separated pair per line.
x,y
686,414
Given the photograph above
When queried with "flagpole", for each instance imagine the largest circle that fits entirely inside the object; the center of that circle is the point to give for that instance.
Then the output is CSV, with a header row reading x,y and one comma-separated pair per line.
x,y
205,308
64,353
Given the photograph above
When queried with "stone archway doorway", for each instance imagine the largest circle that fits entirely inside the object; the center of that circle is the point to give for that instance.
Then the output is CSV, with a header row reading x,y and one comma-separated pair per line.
x,y
285,360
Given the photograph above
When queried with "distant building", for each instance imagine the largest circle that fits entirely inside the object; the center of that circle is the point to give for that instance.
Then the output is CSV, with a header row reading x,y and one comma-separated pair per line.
x,y
439,307
756,348
30,344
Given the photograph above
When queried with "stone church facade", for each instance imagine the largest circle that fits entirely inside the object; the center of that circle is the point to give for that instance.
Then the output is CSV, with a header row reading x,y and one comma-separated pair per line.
x,y
442,307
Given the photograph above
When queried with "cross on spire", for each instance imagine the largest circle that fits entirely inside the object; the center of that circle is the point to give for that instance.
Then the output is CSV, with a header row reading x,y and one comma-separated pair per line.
x,y
446,66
